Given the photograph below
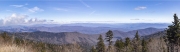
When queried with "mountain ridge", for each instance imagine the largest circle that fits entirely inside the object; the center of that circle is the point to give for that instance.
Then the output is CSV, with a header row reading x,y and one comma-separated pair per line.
x,y
71,37
87,28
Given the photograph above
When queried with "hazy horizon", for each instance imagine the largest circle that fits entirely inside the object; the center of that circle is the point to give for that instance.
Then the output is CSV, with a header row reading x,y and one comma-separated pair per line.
x,y
15,12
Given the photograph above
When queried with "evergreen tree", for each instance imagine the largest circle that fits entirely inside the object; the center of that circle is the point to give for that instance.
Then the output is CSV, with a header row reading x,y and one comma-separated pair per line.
x,y
173,35
144,45
6,37
93,49
137,36
136,43
109,36
100,44
119,44
128,44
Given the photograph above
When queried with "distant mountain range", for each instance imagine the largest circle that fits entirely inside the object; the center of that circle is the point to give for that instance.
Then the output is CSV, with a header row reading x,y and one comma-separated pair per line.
x,y
71,37
131,34
160,34
57,38
86,28
69,33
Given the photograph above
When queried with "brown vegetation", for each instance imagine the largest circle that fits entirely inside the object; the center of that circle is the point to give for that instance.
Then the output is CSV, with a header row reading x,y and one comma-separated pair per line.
x,y
12,44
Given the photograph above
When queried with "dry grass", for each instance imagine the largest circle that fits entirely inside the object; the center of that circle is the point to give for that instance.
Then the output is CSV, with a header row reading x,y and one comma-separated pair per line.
x,y
10,44
13,48
7,45
157,45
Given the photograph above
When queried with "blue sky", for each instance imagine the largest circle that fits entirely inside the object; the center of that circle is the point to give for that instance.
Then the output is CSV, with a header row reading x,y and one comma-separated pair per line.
x,y
86,11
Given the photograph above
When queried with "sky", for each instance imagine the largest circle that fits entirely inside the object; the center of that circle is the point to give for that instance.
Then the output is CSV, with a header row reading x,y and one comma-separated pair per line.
x,y
87,11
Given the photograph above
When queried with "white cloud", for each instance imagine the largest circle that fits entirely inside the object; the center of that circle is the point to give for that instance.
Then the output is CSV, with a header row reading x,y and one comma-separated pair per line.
x,y
60,9
17,19
17,5
14,19
135,19
140,8
35,9
35,20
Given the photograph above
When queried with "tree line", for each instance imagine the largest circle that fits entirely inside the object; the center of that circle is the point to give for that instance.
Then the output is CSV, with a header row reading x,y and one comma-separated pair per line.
x,y
128,45
169,42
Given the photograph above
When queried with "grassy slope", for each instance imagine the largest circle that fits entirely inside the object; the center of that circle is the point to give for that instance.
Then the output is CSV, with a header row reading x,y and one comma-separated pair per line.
x,y
13,44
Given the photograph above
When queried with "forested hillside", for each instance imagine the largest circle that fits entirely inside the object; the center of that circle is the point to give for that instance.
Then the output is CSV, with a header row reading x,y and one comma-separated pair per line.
x,y
163,41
